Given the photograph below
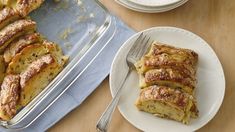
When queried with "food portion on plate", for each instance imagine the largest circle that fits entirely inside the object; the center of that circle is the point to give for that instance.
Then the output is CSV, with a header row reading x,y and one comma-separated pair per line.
x,y
28,62
167,77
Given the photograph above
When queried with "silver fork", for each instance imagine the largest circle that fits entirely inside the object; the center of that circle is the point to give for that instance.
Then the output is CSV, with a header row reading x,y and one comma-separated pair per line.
x,y
137,50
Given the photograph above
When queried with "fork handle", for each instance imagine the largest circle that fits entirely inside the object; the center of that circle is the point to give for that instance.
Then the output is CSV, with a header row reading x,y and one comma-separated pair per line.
x,y
106,117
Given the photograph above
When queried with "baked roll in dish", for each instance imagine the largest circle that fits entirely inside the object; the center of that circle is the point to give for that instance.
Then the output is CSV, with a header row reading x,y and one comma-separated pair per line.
x,y
15,30
23,7
23,59
9,96
28,62
167,78
41,72
8,15
16,46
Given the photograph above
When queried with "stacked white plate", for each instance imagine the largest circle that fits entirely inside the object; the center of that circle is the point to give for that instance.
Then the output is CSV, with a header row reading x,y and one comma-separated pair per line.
x,y
151,6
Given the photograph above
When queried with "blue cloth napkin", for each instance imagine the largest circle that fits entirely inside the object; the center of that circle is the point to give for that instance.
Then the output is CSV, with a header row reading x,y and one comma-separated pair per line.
x,y
85,85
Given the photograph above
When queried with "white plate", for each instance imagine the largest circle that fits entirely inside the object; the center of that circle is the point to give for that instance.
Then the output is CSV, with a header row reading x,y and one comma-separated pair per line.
x,y
209,91
145,9
154,3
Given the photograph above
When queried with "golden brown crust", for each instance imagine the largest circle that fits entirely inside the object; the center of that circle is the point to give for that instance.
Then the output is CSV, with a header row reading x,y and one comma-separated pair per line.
x,y
184,55
14,30
161,55
23,7
23,59
26,6
2,69
40,80
147,63
7,15
34,68
16,46
9,96
169,76
166,102
166,95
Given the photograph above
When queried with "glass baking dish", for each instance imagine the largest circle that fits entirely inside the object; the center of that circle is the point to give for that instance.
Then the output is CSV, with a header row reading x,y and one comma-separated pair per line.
x,y
82,28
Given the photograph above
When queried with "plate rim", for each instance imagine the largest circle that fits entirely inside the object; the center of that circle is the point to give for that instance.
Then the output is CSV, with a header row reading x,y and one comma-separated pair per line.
x,y
133,6
181,30
154,5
